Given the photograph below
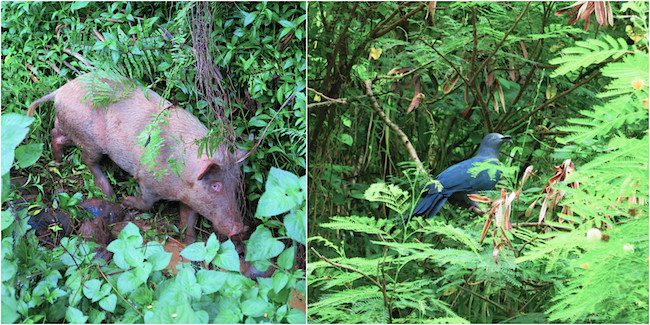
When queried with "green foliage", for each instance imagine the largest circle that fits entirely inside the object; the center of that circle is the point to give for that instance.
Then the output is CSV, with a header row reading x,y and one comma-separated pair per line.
x,y
391,195
96,292
285,194
368,267
589,52
118,48
105,87
608,279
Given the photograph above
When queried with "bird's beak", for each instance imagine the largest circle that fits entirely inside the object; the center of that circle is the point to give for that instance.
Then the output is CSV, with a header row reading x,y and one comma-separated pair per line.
x,y
506,138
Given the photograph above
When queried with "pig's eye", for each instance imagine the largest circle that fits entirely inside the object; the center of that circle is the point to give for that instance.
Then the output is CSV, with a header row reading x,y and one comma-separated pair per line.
x,y
217,186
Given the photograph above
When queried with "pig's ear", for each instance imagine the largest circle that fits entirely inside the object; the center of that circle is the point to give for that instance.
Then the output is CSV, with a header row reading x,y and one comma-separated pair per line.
x,y
241,155
209,168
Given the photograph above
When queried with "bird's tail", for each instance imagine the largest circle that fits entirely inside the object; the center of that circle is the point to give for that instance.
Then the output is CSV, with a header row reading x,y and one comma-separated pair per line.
x,y
428,206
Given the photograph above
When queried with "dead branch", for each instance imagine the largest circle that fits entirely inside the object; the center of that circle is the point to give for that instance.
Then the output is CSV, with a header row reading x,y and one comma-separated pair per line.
x,y
394,127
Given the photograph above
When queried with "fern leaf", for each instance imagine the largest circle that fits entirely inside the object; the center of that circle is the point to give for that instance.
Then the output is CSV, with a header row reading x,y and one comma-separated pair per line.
x,y
588,52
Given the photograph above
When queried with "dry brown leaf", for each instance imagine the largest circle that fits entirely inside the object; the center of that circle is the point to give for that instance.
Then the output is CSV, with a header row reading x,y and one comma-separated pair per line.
x,y
524,51
417,95
479,198
395,71
449,84
501,96
431,9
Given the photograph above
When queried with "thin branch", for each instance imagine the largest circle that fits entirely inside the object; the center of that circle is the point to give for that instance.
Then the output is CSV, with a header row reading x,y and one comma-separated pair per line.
x,y
552,100
117,291
396,23
496,48
349,268
330,101
265,129
405,140
477,94
514,102
485,299
383,22
535,224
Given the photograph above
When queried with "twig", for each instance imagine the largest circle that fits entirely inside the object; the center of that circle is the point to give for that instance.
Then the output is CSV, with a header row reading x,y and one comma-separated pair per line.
x,y
552,100
78,56
394,127
384,31
485,299
265,129
349,268
70,66
99,36
330,101
477,94
535,224
503,39
117,291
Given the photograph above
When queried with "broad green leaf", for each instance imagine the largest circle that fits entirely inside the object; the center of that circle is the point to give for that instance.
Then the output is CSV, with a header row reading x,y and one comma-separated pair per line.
x,y
75,316
262,245
296,317
76,5
211,247
346,139
195,252
108,303
28,154
128,282
280,280
283,192
211,281
159,260
7,219
227,258
296,225
285,260
14,130
91,289
255,307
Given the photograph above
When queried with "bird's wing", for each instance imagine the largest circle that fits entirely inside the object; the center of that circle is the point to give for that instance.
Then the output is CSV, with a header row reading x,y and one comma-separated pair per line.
x,y
457,178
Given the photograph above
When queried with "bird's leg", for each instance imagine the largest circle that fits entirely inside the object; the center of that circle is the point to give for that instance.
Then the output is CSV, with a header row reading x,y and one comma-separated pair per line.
x,y
462,200
477,210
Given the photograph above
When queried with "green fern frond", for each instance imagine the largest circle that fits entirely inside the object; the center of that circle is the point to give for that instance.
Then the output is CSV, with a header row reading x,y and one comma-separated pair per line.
x,y
629,76
556,31
600,120
360,224
395,198
106,86
348,297
588,52
610,280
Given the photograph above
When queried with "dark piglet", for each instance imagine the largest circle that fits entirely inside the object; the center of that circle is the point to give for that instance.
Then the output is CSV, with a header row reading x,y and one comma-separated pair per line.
x,y
207,185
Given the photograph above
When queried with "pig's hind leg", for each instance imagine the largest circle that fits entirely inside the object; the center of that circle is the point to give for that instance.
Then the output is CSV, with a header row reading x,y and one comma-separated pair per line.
x,y
92,159
59,141
142,203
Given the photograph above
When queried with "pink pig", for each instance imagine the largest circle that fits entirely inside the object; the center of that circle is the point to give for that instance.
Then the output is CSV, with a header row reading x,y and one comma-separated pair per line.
x,y
207,185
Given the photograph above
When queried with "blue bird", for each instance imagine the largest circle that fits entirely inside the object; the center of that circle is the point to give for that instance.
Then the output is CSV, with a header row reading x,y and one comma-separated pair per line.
x,y
457,182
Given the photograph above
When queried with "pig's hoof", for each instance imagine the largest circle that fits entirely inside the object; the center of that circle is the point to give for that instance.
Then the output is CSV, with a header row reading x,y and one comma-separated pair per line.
x,y
132,202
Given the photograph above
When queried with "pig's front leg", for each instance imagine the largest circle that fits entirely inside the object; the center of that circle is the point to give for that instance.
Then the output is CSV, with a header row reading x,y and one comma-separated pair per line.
x,y
188,220
142,203
92,160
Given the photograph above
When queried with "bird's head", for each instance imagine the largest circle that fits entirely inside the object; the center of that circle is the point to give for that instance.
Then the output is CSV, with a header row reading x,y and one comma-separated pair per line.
x,y
495,139
492,142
